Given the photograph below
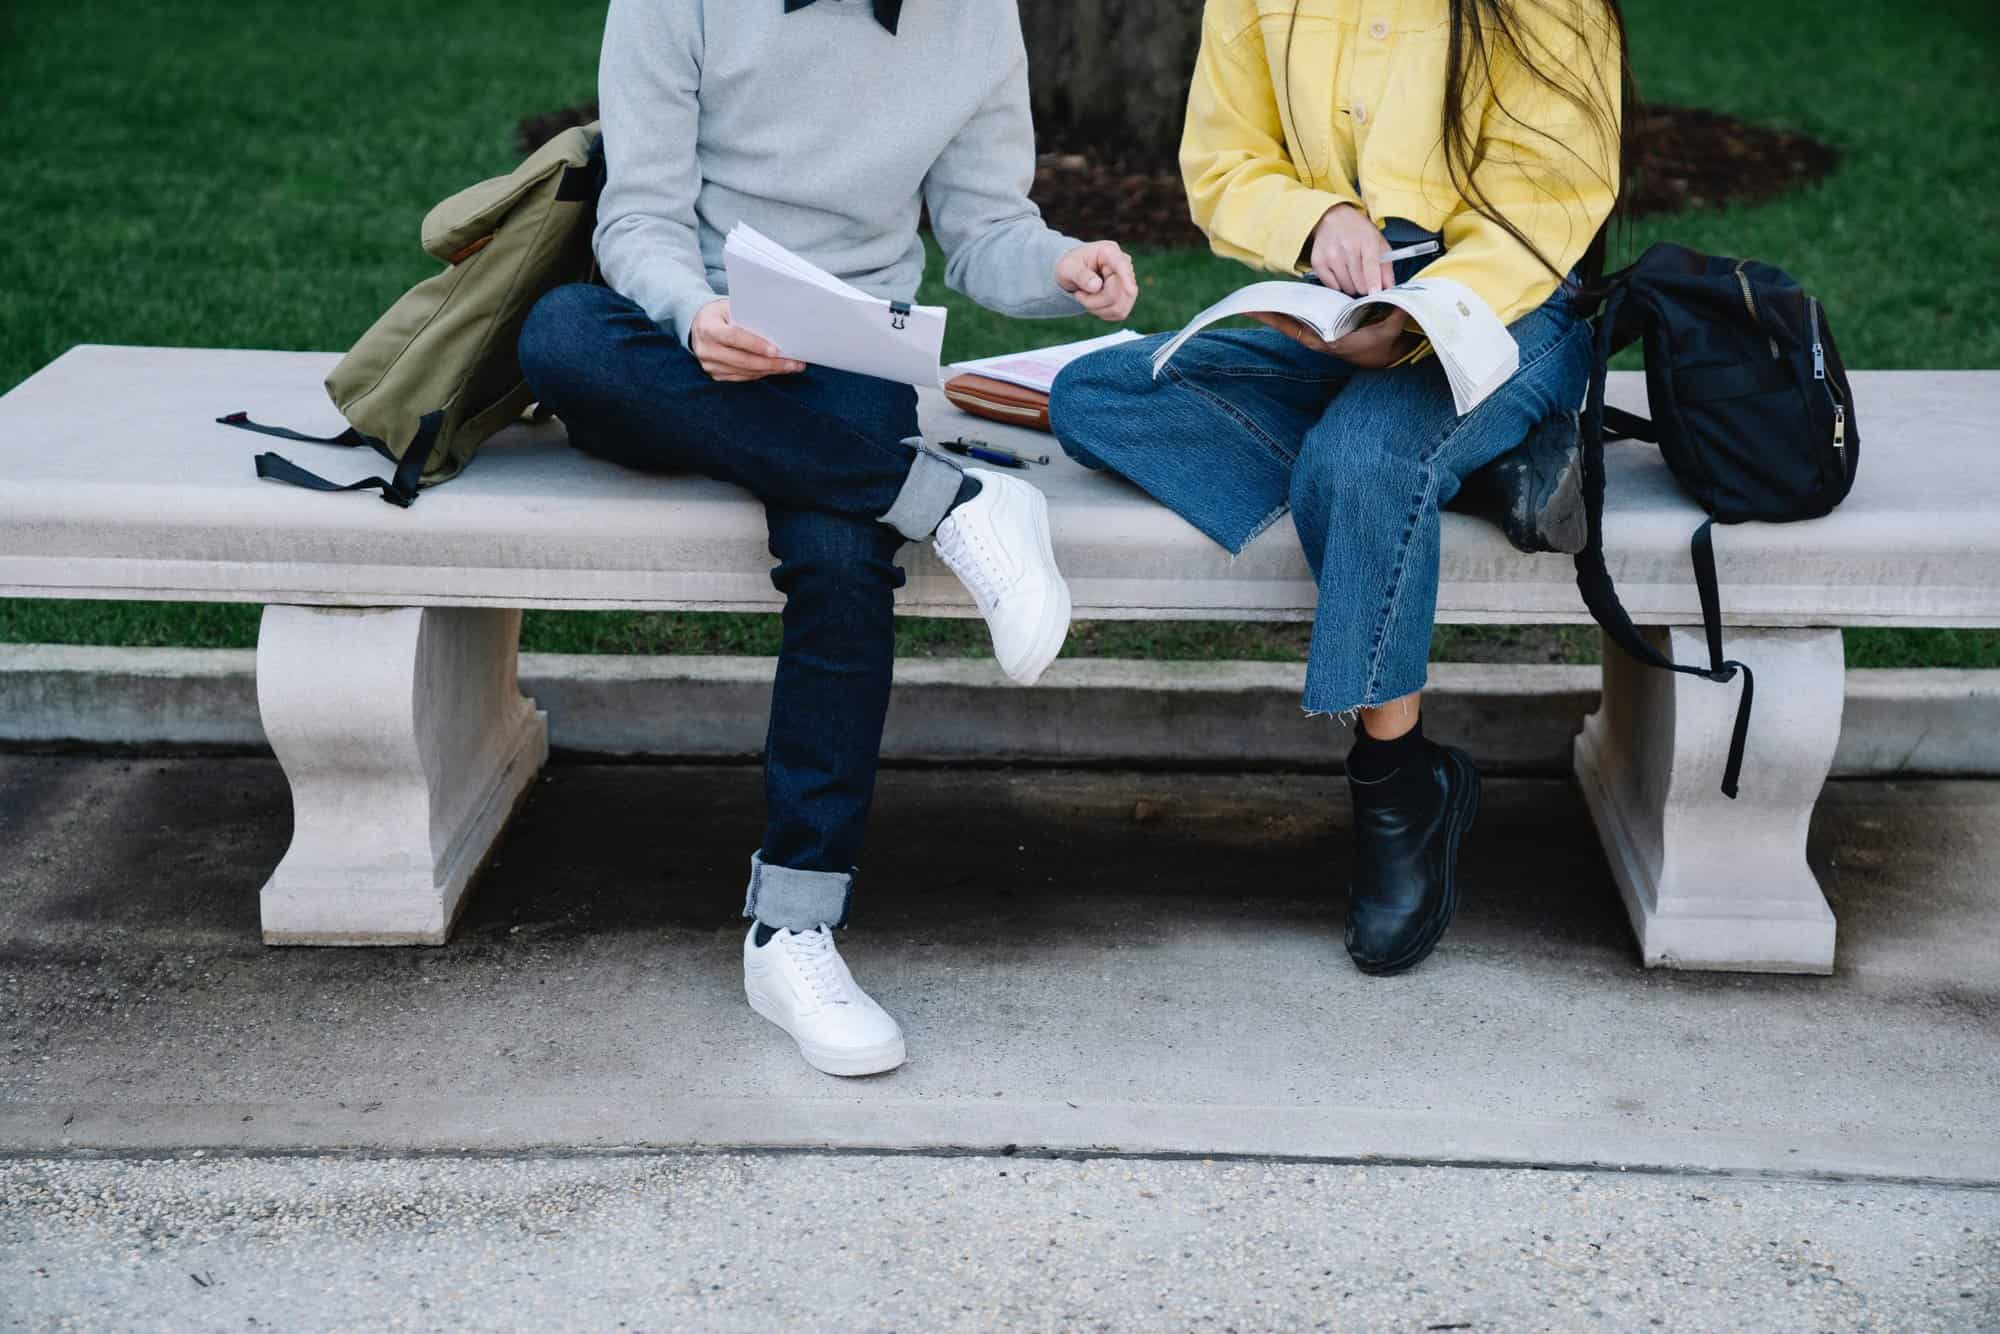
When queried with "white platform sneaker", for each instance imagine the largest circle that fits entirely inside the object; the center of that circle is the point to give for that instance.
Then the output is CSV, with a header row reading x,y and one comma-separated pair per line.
x,y
799,982
998,545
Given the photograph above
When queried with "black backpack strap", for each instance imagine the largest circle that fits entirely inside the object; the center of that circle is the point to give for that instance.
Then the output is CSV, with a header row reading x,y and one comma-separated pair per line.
x,y
1593,578
1702,549
399,490
241,421
1622,425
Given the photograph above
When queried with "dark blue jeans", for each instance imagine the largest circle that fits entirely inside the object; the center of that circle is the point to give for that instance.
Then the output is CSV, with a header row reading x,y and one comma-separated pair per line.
x,y
825,452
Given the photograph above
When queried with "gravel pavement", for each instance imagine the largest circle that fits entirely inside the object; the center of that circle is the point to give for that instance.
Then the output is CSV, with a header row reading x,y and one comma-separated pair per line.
x,y
734,1242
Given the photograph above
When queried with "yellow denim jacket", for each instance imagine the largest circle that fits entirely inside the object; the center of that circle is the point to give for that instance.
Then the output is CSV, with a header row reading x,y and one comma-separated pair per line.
x,y
1264,157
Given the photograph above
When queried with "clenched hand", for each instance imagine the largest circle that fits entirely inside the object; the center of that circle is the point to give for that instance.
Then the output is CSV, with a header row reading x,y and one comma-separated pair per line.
x,y
1099,275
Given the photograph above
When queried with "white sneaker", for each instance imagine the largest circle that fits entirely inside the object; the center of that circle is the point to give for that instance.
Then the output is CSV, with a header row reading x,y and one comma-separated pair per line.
x,y
998,545
799,982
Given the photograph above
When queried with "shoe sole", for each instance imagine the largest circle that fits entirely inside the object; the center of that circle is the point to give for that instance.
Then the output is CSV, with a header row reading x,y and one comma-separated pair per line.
x,y
1054,629
1459,815
875,1060
1561,522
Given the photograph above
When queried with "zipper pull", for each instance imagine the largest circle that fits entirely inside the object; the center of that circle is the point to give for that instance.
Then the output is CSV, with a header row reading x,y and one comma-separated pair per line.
x,y
1839,427
1819,361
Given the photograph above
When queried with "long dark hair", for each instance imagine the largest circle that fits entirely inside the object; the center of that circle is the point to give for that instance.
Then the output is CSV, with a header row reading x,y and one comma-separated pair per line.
x,y
1484,29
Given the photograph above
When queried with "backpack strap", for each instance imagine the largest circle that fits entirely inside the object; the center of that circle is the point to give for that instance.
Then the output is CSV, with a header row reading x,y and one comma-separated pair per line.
x,y
1622,425
1593,578
241,421
399,489
1702,548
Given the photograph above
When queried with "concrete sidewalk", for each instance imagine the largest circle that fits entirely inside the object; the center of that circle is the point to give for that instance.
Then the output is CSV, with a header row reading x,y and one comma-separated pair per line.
x,y
1091,965
1094,962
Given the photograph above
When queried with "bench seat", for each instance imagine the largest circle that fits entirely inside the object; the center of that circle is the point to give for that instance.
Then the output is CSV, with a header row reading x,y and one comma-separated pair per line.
x,y
386,659
114,482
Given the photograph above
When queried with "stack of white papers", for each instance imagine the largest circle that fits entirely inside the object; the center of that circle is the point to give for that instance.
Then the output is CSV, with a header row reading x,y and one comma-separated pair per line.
x,y
1475,349
815,317
1038,369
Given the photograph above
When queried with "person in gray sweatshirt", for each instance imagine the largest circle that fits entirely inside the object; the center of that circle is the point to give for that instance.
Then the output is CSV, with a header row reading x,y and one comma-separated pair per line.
x,y
828,125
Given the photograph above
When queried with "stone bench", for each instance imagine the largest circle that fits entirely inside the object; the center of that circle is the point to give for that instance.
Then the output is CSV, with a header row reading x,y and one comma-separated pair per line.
x,y
386,657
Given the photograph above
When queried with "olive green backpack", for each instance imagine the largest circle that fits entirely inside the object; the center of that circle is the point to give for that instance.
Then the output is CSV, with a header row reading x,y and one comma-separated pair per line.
x,y
437,376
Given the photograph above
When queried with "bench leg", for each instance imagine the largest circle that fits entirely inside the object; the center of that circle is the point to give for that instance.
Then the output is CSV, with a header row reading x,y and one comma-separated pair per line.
x,y
408,746
1709,882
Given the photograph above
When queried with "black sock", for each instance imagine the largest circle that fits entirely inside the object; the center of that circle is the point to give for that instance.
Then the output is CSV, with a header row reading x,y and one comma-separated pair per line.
x,y
1373,760
764,934
967,489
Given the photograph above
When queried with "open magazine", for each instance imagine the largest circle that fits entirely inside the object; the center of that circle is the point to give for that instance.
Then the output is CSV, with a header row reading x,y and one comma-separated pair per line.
x,y
815,317
1475,349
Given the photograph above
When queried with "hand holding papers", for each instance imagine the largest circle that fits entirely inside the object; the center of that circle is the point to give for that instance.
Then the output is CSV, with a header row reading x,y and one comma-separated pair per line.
x,y
1475,349
815,317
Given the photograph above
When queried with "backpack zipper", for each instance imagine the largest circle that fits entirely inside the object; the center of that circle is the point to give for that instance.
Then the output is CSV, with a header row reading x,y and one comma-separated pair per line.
x,y
1819,373
1750,304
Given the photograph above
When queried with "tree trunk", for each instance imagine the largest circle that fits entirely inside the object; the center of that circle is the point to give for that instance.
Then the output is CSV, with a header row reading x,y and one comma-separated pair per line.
x,y
1111,74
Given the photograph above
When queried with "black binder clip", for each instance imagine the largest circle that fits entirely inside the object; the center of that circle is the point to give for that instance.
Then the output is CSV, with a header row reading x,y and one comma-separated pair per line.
x,y
899,314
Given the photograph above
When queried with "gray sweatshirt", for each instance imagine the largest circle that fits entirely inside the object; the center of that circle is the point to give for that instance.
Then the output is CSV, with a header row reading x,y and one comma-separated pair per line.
x,y
827,133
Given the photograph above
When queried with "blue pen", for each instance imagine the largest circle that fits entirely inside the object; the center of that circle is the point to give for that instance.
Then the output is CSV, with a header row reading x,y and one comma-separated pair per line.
x,y
985,453
988,456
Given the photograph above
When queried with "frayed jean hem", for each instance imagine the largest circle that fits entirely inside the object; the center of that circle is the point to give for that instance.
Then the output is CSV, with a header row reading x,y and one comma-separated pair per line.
x,y
1312,706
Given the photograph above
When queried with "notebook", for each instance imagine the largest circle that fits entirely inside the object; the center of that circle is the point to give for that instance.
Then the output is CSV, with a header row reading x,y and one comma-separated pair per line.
x,y
1014,387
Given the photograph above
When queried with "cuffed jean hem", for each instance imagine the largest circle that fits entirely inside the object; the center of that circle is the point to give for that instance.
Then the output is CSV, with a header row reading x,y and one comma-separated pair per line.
x,y
791,900
927,495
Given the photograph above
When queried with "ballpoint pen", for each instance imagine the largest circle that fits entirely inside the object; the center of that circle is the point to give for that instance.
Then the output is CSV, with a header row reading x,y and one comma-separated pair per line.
x,y
1416,251
990,453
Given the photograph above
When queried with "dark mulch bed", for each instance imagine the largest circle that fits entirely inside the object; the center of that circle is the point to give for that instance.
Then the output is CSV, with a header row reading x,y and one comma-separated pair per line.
x,y
1688,158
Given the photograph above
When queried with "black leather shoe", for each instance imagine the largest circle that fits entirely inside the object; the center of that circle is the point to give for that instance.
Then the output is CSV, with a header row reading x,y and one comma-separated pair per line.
x,y
1406,833
1535,490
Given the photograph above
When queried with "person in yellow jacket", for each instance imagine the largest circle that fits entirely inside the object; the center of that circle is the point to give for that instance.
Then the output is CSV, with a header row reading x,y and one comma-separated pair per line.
x,y
1322,134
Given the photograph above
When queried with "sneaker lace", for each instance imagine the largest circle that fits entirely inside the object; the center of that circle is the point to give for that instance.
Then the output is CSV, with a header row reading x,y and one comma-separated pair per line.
x,y
818,963
964,549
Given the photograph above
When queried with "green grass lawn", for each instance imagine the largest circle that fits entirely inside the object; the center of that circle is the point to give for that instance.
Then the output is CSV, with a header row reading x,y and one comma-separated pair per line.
x,y
202,173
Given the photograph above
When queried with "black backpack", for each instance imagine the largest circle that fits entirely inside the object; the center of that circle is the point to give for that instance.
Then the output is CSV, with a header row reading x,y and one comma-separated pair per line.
x,y
1751,410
